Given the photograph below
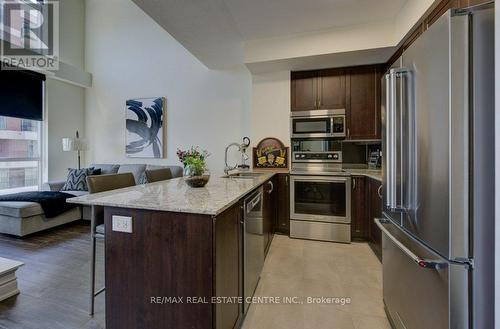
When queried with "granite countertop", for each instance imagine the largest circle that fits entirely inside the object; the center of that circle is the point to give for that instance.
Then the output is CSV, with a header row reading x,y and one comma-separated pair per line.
x,y
372,173
176,196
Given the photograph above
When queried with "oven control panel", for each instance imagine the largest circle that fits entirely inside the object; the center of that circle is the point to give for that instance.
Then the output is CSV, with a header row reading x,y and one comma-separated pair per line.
x,y
335,156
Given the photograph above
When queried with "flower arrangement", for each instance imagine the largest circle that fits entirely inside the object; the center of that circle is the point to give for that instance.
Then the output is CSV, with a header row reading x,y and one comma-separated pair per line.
x,y
195,166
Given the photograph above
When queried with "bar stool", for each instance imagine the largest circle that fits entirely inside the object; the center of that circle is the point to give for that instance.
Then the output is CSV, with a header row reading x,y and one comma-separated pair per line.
x,y
96,184
157,175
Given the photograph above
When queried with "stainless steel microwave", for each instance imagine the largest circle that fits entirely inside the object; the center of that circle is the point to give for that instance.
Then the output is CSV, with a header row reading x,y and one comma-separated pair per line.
x,y
318,123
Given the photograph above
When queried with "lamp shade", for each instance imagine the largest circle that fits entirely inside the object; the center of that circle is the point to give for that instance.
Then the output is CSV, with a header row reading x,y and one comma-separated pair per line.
x,y
73,144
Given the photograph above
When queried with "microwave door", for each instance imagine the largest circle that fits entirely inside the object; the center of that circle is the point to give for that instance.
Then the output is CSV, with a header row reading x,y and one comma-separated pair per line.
x,y
311,127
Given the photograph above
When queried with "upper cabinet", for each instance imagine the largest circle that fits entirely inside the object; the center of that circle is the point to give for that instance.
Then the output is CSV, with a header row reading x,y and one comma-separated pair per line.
x,y
304,91
355,89
363,103
318,90
331,89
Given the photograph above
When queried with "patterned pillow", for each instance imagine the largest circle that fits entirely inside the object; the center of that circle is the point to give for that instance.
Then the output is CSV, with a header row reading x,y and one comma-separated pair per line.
x,y
143,179
77,179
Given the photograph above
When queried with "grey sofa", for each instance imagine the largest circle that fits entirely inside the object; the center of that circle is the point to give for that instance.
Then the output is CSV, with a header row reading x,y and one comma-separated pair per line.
x,y
23,218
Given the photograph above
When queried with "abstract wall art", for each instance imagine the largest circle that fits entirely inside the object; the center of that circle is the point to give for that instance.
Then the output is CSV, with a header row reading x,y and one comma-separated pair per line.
x,y
144,123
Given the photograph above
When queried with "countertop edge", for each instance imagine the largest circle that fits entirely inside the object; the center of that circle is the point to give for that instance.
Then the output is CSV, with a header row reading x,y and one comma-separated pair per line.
x,y
78,200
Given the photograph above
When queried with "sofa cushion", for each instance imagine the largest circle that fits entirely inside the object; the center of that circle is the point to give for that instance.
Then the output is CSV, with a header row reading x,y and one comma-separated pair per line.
x,y
107,168
136,169
77,179
20,209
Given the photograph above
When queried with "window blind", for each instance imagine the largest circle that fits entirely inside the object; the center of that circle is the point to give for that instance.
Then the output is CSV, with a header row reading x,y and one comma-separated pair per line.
x,y
21,94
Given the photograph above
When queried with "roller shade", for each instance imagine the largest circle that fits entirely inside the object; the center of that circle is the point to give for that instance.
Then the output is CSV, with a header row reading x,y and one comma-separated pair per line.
x,y
21,94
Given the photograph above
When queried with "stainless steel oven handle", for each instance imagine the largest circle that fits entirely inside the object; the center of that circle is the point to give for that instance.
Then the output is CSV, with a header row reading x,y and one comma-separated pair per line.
x,y
424,263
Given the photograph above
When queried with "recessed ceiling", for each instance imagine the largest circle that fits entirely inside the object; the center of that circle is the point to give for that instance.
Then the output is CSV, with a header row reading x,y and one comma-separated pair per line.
x,y
258,19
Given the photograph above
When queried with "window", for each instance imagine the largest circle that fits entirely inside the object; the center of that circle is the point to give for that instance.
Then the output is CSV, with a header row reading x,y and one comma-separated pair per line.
x,y
20,160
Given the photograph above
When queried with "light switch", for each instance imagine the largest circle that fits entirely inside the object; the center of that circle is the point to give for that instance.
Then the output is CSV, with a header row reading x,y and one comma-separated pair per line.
x,y
121,224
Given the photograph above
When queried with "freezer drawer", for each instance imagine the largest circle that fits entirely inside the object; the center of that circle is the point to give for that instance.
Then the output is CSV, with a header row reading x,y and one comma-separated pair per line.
x,y
417,296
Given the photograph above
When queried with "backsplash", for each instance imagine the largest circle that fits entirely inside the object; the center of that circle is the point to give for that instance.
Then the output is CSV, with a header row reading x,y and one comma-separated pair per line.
x,y
355,155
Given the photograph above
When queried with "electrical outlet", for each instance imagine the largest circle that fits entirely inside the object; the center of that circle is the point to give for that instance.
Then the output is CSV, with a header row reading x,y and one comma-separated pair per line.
x,y
121,224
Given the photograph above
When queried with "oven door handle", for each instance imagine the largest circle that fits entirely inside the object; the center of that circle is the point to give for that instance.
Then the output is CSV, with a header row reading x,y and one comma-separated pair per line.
x,y
319,179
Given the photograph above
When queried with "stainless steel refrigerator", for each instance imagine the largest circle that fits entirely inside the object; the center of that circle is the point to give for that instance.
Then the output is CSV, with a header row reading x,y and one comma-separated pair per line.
x,y
438,162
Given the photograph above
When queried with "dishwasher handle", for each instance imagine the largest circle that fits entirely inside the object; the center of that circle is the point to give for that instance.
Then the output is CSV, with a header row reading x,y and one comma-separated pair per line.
x,y
424,263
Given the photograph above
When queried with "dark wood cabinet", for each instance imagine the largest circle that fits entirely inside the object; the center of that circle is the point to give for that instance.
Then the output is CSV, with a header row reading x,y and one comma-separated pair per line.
x,y
304,90
375,210
363,103
318,90
283,216
269,210
156,261
355,89
331,89
359,208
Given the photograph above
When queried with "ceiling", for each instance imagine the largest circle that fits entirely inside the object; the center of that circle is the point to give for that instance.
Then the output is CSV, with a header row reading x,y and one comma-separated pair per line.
x,y
215,31
260,19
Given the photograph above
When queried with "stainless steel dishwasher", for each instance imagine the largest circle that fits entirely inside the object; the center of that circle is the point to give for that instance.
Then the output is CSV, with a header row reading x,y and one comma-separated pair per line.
x,y
253,243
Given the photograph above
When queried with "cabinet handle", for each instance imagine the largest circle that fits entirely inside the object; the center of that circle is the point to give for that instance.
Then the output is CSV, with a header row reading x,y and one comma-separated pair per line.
x,y
319,103
354,183
286,180
379,191
348,132
272,187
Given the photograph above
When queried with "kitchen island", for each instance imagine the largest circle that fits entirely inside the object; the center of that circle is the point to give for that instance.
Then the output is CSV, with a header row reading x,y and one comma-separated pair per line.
x,y
183,250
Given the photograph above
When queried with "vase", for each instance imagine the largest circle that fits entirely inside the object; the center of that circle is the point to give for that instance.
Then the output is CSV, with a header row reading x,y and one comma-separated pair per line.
x,y
194,178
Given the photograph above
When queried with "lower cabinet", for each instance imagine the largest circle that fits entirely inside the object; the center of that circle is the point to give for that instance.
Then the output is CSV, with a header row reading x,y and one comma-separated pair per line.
x,y
375,210
366,204
282,224
359,208
269,210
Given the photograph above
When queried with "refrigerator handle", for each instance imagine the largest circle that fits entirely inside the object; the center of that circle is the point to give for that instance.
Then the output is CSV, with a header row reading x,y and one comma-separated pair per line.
x,y
390,142
424,263
400,140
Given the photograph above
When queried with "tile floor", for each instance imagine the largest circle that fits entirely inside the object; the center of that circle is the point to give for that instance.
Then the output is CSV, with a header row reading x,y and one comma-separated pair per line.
x,y
304,269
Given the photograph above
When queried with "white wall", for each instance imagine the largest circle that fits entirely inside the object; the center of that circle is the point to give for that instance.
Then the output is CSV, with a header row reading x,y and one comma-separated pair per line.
x,y
64,101
130,56
271,106
64,116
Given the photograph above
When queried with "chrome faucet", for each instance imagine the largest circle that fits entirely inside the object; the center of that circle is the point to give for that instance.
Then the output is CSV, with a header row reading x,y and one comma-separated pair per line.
x,y
227,167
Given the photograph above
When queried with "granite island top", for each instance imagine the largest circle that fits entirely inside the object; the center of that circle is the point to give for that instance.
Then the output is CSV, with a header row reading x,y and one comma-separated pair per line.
x,y
175,195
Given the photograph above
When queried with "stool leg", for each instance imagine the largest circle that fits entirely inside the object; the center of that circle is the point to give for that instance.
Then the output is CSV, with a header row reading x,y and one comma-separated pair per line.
x,y
92,273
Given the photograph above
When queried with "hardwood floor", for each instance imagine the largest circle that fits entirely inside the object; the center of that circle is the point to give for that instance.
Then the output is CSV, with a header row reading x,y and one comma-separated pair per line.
x,y
54,282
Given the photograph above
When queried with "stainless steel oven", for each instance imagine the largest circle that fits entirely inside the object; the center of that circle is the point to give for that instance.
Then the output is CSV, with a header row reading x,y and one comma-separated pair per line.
x,y
320,206
318,123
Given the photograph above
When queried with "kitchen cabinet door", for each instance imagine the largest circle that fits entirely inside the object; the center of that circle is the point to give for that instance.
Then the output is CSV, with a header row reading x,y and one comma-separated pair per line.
x,y
359,210
331,89
304,90
363,103
283,216
375,211
269,210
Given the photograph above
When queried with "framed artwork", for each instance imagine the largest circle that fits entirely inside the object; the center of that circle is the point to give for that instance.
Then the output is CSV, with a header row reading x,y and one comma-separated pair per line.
x,y
270,153
144,124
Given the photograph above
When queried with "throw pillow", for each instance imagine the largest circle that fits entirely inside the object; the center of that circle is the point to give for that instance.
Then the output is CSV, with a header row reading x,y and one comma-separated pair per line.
x,y
143,179
97,171
77,179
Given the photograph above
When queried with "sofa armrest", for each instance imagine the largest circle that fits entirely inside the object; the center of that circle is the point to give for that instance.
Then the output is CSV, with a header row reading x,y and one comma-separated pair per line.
x,y
53,186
